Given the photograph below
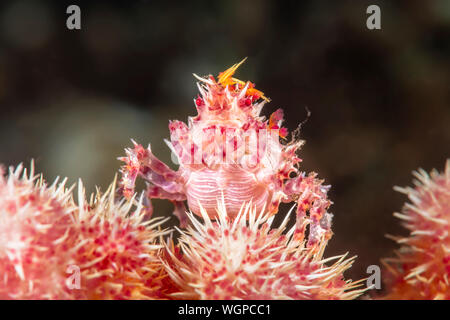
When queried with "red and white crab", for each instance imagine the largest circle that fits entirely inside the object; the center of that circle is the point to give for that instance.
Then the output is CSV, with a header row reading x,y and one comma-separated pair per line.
x,y
228,150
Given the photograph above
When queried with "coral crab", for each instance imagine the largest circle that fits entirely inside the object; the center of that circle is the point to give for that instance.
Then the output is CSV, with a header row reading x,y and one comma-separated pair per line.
x,y
228,150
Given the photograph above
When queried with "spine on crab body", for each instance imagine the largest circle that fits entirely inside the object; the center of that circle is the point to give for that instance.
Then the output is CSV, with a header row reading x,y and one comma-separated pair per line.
x,y
243,258
230,150
421,269
52,248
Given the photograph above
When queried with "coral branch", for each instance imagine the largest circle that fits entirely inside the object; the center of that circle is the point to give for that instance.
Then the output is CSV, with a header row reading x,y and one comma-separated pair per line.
x,y
421,269
43,234
240,259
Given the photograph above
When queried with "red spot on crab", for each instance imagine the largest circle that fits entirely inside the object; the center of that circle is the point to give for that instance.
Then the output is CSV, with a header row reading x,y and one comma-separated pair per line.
x,y
275,119
199,102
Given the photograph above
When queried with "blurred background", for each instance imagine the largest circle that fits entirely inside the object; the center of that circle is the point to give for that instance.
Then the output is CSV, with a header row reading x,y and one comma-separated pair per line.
x,y
380,100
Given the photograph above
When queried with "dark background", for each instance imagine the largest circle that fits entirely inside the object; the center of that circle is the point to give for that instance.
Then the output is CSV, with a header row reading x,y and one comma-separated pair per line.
x,y
380,100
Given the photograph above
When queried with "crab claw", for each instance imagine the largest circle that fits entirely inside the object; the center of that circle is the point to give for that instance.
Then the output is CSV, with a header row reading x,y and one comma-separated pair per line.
x,y
162,182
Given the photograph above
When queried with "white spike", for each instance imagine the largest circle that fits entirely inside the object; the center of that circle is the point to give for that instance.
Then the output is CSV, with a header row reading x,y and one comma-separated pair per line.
x,y
81,198
202,91
244,90
203,79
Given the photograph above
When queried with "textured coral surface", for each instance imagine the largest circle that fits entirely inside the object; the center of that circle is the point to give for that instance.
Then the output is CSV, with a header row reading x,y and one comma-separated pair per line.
x,y
240,259
115,247
34,223
421,269
46,241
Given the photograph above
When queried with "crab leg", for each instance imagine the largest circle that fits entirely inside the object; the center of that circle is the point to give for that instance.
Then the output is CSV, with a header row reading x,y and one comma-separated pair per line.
x,y
155,192
162,182
311,196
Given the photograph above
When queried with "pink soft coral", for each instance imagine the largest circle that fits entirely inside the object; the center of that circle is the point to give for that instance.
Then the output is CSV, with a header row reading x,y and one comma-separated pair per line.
x,y
34,223
422,268
116,248
243,258
45,238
